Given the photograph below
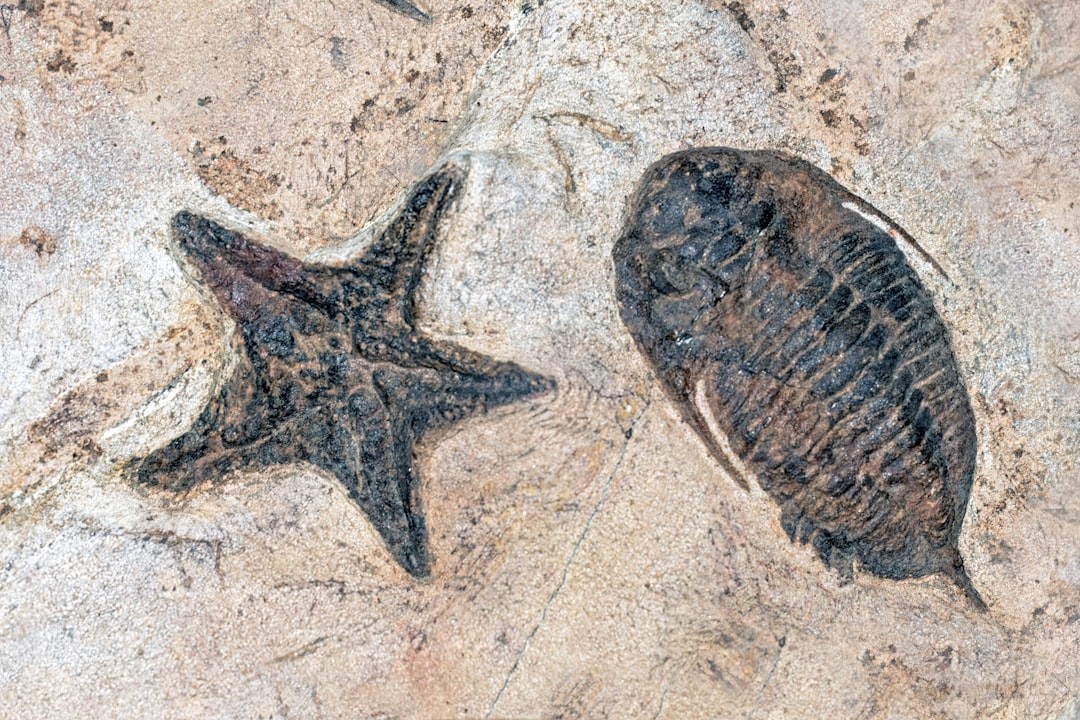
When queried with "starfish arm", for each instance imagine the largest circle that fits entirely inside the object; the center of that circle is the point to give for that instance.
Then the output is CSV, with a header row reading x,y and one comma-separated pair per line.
x,y
390,418
243,273
214,446
280,379
382,478
177,466
385,278
428,399
415,350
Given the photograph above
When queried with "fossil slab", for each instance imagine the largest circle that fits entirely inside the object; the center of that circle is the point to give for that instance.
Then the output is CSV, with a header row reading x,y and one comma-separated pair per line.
x,y
576,572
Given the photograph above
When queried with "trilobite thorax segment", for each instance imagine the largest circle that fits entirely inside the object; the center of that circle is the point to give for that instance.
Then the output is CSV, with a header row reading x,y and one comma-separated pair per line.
x,y
792,325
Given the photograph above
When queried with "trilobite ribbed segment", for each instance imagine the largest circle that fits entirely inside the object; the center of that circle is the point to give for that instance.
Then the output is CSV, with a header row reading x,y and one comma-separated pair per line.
x,y
794,325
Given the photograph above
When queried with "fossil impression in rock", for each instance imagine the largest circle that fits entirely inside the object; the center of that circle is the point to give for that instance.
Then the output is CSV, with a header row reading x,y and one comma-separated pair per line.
x,y
792,335
334,371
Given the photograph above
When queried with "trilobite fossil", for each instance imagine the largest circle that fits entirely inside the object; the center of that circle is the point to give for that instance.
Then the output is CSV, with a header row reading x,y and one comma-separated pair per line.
x,y
796,340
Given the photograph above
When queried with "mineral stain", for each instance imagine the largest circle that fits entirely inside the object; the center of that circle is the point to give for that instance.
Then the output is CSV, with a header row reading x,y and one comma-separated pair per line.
x,y
334,371
795,339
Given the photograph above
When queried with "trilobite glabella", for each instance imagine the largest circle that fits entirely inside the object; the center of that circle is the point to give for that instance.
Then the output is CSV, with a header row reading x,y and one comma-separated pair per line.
x,y
789,330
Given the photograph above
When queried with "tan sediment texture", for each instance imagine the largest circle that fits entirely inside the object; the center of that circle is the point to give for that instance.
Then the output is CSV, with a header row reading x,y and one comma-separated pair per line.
x,y
590,558
314,115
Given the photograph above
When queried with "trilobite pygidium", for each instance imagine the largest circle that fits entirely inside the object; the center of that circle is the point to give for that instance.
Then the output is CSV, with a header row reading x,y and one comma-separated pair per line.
x,y
793,326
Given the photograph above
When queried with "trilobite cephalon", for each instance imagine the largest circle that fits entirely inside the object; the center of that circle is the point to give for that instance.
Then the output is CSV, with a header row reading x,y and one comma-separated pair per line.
x,y
790,330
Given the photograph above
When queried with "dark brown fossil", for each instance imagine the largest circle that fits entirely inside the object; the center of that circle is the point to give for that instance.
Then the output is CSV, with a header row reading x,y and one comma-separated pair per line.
x,y
406,8
334,371
795,339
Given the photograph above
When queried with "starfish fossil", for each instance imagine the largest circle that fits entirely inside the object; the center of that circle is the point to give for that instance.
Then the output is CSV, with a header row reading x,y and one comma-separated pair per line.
x,y
334,371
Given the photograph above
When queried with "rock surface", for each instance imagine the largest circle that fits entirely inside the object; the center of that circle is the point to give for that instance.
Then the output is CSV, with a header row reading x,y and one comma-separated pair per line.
x,y
590,557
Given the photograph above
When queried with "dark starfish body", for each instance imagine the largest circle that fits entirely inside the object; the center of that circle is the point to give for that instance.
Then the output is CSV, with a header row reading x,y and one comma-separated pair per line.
x,y
334,371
